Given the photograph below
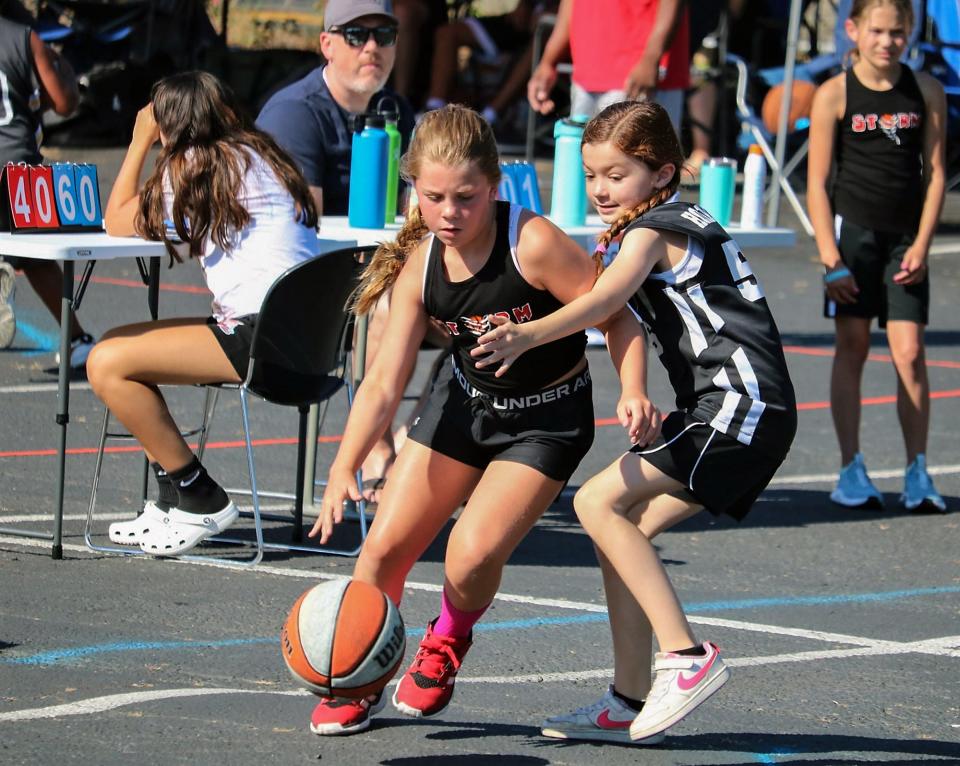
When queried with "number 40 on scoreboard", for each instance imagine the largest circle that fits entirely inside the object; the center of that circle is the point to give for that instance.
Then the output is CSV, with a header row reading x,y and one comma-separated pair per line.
x,y
61,197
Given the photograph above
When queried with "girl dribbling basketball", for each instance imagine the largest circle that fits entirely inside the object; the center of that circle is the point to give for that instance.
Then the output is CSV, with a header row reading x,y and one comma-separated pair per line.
x,y
507,443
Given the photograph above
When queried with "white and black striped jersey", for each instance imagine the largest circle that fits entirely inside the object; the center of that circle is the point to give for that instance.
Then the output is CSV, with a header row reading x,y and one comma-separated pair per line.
x,y
709,321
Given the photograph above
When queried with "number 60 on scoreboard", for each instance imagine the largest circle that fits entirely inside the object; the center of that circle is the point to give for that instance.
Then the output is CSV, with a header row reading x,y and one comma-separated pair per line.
x,y
60,197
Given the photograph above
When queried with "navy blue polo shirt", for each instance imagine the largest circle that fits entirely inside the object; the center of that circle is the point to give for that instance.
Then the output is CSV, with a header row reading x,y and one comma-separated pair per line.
x,y
306,121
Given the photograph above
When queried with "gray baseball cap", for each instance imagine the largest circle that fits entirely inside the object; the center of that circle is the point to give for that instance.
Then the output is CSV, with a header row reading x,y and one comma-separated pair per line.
x,y
340,12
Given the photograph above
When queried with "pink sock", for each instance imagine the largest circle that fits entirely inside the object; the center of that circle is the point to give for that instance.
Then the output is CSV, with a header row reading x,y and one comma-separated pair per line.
x,y
453,622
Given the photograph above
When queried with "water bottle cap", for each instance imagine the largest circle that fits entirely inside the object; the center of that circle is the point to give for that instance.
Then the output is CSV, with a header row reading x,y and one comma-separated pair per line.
x,y
725,161
568,127
390,112
755,149
375,120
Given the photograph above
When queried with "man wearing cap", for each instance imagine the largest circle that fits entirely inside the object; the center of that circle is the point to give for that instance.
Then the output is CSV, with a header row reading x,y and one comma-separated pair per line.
x,y
312,118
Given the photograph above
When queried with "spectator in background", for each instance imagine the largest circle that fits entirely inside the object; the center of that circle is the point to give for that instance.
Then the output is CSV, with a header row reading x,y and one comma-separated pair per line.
x,y
312,119
621,50
418,20
702,98
487,37
34,77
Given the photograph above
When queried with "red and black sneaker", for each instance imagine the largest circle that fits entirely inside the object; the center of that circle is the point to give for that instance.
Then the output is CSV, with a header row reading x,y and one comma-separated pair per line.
x,y
334,716
427,686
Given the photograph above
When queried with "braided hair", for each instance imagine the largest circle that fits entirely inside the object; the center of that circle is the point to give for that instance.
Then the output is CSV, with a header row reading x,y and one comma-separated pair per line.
x,y
641,130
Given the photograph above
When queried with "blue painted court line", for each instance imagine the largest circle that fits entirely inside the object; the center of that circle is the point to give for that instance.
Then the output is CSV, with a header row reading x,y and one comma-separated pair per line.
x,y
57,656
45,342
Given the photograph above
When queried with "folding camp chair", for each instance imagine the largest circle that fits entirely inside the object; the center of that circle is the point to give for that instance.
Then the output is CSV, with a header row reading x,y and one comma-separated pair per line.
x,y
297,359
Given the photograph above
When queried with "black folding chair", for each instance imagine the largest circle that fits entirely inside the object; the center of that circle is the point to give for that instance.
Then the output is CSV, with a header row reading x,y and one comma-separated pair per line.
x,y
297,359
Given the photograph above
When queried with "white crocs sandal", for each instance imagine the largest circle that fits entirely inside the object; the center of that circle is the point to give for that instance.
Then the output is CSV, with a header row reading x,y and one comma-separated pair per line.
x,y
185,531
131,532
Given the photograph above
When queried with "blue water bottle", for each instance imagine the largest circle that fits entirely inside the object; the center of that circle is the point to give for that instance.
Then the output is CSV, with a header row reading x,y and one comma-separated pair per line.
x,y
568,205
368,174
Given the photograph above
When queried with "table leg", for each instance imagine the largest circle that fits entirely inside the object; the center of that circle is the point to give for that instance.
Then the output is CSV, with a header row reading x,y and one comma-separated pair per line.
x,y
63,402
153,305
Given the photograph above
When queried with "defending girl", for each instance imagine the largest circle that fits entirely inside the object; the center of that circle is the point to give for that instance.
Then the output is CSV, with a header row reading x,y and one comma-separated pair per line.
x,y
881,127
244,211
507,443
707,316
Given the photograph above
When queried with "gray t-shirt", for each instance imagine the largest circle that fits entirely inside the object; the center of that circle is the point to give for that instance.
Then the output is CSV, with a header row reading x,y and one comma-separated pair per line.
x,y
20,127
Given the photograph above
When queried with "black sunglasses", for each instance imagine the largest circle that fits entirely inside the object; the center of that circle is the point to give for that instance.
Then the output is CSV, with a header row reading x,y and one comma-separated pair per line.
x,y
357,36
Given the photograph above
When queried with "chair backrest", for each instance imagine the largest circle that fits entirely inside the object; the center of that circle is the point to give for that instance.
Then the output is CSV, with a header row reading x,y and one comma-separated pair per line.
x,y
297,346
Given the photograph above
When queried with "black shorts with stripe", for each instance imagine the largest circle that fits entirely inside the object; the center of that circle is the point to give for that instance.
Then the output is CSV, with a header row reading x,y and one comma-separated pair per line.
x,y
549,430
718,472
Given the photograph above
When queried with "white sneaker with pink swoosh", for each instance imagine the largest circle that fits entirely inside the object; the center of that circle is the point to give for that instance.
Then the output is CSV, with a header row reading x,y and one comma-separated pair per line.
x,y
682,683
606,720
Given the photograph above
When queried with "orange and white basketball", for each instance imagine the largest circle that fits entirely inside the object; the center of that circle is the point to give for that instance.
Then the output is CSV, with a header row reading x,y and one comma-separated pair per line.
x,y
343,638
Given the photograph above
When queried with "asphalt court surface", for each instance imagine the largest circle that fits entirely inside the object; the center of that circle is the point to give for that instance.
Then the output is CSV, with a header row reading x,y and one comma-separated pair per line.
x,y
841,628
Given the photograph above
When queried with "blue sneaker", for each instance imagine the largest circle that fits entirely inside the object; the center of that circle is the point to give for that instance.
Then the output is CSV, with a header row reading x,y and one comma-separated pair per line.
x,y
854,488
919,494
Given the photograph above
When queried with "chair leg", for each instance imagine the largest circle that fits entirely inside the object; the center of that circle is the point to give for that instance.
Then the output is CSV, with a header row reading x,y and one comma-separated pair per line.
x,y
258,524
210,399
88,525
297,534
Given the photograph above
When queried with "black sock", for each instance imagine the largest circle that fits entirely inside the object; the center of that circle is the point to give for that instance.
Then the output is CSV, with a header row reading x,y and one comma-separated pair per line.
x,y
167,496
197,492
693,651
630,702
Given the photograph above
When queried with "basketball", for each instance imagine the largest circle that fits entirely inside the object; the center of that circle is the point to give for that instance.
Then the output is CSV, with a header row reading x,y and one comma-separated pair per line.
x,y
800,104
343,638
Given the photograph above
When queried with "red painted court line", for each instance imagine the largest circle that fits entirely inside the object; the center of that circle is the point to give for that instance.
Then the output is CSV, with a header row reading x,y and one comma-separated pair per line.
x,y
194,289
133,448
806,351
332,439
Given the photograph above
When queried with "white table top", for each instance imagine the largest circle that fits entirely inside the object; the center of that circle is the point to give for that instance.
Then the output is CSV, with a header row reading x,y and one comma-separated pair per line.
x,y
337,227
100,246
77,246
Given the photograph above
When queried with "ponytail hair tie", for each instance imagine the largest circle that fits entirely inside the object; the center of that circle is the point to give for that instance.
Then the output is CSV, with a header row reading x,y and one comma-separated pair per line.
x,y
600,249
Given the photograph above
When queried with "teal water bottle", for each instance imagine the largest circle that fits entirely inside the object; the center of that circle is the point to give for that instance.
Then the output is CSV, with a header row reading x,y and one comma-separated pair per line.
x,y
568,204
368,173
391,115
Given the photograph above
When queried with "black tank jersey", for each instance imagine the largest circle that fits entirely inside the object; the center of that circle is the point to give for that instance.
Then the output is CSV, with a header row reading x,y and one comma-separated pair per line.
x,y
498,288
20,127
709,321
879,181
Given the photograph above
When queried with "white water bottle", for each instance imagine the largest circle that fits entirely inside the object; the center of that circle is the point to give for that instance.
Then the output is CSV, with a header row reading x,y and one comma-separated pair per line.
x,y
754,178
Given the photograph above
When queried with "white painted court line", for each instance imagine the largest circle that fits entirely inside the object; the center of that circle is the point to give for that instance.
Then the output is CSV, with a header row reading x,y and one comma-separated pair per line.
x,y
894,473
94,705
41,388
580,606
944,248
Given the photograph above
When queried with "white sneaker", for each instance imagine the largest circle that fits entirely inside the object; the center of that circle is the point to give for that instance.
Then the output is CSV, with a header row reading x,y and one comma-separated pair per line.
x,y
606,720
919,494
132,532
681,684
854,488
8,320
80,348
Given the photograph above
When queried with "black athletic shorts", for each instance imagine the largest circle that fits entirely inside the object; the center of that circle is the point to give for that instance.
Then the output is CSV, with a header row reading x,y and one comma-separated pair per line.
x,y
719,473
236,345
874,258
549,430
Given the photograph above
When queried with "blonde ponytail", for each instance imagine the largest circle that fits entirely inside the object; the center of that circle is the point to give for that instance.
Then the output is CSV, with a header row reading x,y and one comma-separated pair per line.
x,y
387,262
